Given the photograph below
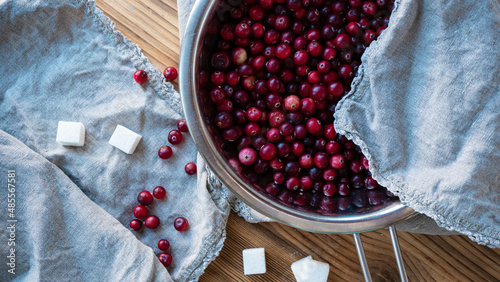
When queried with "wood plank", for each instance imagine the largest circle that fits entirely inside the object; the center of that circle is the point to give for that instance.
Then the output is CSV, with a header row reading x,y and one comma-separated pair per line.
x,y
153,25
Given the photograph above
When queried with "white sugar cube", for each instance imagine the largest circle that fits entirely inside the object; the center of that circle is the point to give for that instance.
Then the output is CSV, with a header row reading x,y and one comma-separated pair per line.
x,y
254,261
309,270
70,133
125,139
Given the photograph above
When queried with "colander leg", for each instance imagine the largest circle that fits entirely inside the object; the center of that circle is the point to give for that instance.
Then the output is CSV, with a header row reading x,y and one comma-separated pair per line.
x,y
397,253
362,257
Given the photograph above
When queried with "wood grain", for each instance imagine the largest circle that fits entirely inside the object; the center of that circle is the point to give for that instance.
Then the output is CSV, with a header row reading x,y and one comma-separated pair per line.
x,y
153,25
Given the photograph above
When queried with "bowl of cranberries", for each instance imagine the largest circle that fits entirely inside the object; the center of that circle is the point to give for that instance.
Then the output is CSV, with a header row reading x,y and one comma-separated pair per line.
x,y
260,80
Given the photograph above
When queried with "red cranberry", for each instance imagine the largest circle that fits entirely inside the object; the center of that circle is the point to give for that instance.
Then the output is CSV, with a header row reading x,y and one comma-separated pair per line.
x,y
306,183
327,204
181,224
298,148
329,174
141,212
370,183
306,161
313,126
301,57
276,118
344,189
369,8
352,15
332,148
165,259
223,120
145,198
256,13
182,125
307,106
292,103
140,76
163,244
174,137
364,163
170,73
247,156
342,41
273,135
243,30
190,168
318,92
369,36
152,222
336,89
136,224
314,49
220,61
321,160
355,166
159,192
267,152
252,129
279,177
292,183
314,77
281,22
329,189
345,72
283,51
337,161
165,152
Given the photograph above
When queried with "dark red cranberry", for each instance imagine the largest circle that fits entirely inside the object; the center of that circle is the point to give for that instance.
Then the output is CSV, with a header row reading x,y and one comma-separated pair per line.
x,y
170,73
286,129
292,183
272,188
231,134
152,222
276,164
181,224
243,30
318,92
165,152
267,152
256,13
261,166
365,163
321,160
307,106
314,77
298,148
344,189
345,72
279,177
352,15
301,57
286,196
281,22
135,224
273,135
141,212
159,192
369,8
306,161
252,129
292,168
174,137
342,41
332,148
369,36
223,120
357,181
190,168
221,61
370,183
299,43
337,161
355,166
140,76
313,126
329,189
329,174
336,89
259,142
283,149
273,101
283,51
163,245
145,198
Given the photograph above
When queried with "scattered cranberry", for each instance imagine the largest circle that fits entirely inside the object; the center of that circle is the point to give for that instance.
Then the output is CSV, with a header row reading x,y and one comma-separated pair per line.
x,y
165,152
152,222
136,224
141,212
140,76
181,224
170,73
174,137
145,198
159,192
190,168
165,259
163,244
182,125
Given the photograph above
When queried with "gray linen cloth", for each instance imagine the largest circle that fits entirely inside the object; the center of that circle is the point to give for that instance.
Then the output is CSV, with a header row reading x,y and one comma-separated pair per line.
x,y
63,60
425,111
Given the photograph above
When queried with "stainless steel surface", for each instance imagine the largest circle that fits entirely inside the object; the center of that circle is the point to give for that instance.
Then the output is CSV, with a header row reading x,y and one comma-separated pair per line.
x,y
362,257
397,253
189,65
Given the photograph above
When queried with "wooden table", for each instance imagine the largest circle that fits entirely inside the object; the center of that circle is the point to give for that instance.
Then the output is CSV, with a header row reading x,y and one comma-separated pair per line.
x,y
153,25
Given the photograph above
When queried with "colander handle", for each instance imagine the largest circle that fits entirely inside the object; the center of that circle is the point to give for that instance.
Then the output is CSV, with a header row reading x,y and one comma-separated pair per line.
x,y
397,253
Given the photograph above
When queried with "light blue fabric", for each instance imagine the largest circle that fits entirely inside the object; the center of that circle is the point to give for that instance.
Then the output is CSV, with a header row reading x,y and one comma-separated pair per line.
x,y
425,111
63,60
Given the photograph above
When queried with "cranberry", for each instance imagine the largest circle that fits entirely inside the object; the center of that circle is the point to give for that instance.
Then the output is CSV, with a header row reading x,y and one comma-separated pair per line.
x,y
220,61
159,192
292,103
364,163
190,168
307,106
136,224
298,148
273,135
145,198
141,212
276,118
329,174
165,259
181,224
321,160
355,166
283,51
313,126
279,177
292,168
301,57
140,76
256,13
369,36
276,164
369,8
174,137
170,73
352,15
370,183
306,161
247,156
267,152
314,77
336,89
182,125
223,120
165,152
152,222
318,92
283,149
292,183
329,189
163,244
345,72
